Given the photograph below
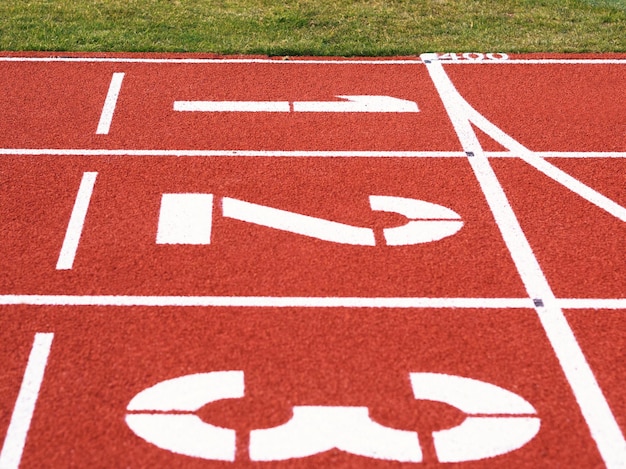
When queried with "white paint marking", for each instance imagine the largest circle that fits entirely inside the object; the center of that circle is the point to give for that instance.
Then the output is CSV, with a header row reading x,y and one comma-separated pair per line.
x,y
229,153
292,153
308,302
185,219
469,395
276,61
594,407
352,104
15,439
106,117
77,220
183,432
498,420
540,164
358,104
479,438
428,222
305,61
560,154
231,106
317,429
189,393
540,62
296,223
264,301
593,303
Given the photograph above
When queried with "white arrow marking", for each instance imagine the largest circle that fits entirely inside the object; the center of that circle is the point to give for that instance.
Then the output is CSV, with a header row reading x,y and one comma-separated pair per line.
x,y
358,104
232,106
351,104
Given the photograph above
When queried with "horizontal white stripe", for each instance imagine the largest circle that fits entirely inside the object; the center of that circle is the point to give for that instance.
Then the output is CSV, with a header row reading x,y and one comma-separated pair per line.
x,y
265,301
593,303
294,153
306,302
537,61
279,60
297,61
560,154
231,106
211,153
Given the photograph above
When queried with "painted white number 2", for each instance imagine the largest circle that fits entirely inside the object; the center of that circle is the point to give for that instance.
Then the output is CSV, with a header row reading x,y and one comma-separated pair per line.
x,y
187,219
498,421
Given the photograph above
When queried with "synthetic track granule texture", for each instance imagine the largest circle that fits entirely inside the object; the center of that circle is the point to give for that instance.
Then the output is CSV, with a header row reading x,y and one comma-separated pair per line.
x,y
249,262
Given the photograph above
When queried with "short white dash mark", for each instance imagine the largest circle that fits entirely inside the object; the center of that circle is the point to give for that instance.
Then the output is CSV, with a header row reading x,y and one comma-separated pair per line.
x,y
109,104
13,446
77,220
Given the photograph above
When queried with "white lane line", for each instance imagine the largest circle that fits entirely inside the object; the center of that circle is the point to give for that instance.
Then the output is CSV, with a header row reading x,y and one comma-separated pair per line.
x,y
15,439
560,154
279,61
538,62
294,153
106,117
231,106
594,407
309,302
593,303
227,153
77,220
264,301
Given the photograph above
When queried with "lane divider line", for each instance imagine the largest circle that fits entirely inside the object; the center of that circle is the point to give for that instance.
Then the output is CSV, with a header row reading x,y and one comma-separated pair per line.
x,y
264,301
305,302
295,153
593,405
76,223
228,153
348,61
15,439
106,117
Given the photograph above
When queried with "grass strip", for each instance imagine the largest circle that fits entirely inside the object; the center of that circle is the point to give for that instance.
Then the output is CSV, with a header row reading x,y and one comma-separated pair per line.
x,y
320,27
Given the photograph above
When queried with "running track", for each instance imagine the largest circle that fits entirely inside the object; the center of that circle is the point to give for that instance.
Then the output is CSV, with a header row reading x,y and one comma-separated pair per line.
x,y
194,272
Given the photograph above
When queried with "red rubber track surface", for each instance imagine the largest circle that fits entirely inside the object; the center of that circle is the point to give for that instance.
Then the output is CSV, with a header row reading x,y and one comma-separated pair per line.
x,y
355,320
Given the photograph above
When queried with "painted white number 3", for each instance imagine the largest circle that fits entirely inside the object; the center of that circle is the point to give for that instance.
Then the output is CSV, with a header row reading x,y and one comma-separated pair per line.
x,y
498,421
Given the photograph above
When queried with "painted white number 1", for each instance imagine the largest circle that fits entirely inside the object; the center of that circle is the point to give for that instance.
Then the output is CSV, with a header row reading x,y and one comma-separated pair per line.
x,y
498,421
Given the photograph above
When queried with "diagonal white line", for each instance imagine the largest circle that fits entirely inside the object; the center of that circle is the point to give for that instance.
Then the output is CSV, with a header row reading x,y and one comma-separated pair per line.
x,y
77,220
15,439
106,117
594,407
586,192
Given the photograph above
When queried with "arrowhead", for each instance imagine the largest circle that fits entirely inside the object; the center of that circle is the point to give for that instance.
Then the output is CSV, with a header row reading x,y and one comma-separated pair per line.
x,y
382,104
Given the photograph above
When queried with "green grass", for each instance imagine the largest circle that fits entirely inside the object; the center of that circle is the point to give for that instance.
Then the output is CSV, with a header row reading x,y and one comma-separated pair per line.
x,y
320,27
